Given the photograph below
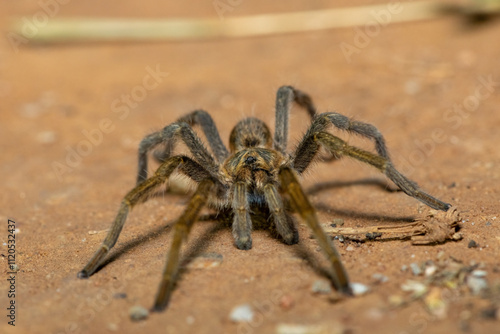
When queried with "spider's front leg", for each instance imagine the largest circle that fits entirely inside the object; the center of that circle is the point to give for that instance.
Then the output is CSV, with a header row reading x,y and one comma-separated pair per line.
x,y
299,200
284,98
181,231
242,223
137,195
283,221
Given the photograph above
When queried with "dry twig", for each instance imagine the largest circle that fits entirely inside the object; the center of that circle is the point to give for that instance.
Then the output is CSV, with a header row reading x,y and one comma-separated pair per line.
x,y
435,227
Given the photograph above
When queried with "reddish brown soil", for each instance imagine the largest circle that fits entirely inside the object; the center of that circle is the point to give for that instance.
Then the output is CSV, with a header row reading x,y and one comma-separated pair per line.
x,y
406,82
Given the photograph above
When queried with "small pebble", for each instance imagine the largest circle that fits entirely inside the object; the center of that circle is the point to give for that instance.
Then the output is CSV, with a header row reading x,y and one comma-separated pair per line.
x,y
430,270
404,268
337,222
435,303
14,268
121,295
396,300
304,329
476,284
379,278
349,248
206,261
479,273
321,287
373,236
359,289
418,288
472,244
286,302
415,268
138,313
339,238
242,313
488,223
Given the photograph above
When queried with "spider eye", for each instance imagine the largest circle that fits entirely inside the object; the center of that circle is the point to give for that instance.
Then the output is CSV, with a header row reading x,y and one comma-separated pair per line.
x,y
250,160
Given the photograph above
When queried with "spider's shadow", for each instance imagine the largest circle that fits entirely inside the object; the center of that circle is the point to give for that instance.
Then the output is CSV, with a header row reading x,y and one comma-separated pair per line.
x,y
224,221
379,183
196,248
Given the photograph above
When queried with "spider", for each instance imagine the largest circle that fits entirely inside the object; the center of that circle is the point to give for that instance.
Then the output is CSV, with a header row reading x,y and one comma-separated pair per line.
x,y
252,176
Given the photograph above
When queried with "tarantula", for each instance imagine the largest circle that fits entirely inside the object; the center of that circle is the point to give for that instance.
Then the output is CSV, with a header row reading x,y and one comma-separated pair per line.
x,y
252,175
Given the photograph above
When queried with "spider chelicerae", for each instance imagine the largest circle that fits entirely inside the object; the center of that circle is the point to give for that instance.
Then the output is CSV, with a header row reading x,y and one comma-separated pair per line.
x,y
251,177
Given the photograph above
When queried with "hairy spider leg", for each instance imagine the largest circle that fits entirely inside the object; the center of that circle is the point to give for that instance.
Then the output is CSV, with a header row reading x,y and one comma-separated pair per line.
x,y
284,98
242,224
168,136
340,148
284,223
181,231
303,207
139,194
202,118
303,155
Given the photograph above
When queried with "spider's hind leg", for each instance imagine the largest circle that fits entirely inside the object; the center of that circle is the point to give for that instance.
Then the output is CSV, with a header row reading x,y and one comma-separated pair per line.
x,y
340,148
207,124
182,130
316,136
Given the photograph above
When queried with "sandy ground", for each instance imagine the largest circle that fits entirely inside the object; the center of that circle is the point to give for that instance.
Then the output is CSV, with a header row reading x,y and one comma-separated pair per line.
x,y
424,85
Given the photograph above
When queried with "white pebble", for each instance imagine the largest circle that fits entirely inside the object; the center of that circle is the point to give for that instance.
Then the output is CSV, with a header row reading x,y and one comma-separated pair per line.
x,y
242,313
415,268
479,273
138,313
359,289
321,287
431,270
304,329
380,278
418,288
476,284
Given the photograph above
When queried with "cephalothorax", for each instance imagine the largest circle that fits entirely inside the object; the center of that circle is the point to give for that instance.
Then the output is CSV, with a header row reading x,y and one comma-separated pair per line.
x,y
253,175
